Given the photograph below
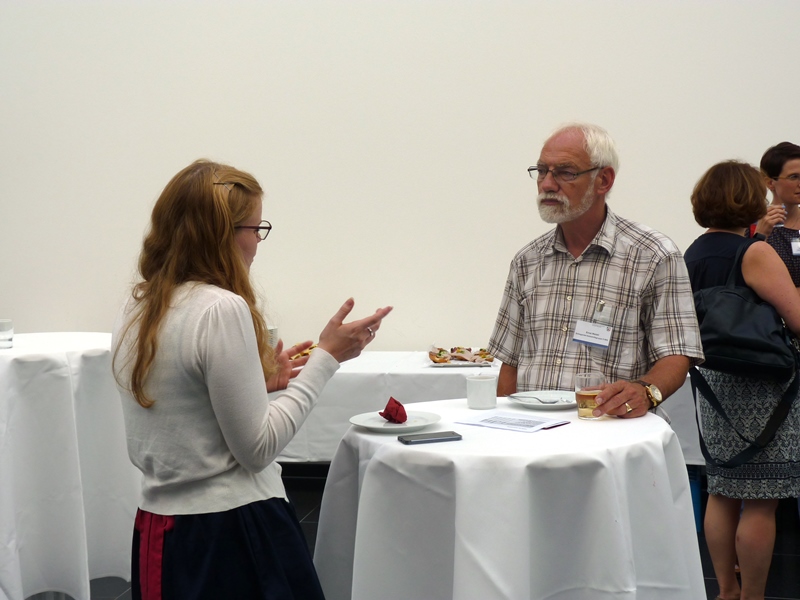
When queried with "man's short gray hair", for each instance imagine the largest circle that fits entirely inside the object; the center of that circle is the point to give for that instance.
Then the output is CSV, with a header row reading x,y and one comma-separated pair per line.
x,y
598,143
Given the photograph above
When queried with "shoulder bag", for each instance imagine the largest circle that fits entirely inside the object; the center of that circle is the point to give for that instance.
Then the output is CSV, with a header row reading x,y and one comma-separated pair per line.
x,y
741,334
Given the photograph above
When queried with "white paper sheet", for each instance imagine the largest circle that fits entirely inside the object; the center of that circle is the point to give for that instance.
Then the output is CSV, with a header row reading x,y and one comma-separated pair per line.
x,y
512,421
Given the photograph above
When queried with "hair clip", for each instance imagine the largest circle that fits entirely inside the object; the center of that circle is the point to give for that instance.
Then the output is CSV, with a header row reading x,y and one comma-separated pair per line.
x,y
227,185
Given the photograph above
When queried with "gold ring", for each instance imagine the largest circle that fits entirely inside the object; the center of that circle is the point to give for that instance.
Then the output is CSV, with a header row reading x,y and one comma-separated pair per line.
x,y
628,406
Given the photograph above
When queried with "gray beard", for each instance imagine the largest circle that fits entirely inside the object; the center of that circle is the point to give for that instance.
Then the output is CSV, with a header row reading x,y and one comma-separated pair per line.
x,y
563,213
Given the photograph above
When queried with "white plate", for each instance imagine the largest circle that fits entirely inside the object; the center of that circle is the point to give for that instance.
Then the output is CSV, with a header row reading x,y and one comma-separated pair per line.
x,y
460,363
416,420
530,399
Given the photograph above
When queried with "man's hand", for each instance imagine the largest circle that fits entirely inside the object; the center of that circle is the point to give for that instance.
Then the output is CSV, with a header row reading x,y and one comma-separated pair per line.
x,y
667,373
623,399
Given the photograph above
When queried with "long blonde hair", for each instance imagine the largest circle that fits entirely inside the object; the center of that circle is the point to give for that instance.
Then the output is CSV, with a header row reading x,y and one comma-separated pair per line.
x,y
192,238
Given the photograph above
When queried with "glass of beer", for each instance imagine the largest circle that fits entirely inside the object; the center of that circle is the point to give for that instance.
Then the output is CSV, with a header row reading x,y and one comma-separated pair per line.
x,y
587,386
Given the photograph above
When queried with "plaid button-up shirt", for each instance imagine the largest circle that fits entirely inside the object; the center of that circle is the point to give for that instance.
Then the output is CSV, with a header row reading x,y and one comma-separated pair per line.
x,y
630,278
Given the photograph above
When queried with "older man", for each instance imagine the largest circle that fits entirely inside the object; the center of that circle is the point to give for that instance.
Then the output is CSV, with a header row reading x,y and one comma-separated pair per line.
x,y
597,293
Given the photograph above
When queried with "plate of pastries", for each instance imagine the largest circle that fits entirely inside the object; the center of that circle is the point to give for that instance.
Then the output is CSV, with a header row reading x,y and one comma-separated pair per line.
x,y
460,356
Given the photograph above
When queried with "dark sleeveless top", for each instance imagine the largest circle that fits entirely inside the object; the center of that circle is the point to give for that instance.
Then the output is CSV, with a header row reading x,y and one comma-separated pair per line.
x,y
781,239
709,259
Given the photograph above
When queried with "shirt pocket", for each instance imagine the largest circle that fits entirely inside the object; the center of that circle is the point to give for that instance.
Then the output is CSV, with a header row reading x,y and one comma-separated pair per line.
x,y
619,360
548,324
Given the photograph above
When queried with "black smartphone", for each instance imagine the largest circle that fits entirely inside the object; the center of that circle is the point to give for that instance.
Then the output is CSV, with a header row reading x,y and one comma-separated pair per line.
x,y
429,438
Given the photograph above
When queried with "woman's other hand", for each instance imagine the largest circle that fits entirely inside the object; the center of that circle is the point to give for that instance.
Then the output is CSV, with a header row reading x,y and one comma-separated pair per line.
x,y
776,215
287,368
343,340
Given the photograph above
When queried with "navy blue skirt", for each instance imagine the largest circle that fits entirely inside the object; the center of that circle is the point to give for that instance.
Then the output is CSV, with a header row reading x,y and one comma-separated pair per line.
x,y
256,551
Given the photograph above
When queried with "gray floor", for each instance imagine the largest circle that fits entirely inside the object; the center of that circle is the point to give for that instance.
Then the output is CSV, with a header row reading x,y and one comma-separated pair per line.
x,y
111,588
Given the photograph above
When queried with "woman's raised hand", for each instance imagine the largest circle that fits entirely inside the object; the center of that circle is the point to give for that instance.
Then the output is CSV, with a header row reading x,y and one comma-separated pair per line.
x,y
776,215
343,340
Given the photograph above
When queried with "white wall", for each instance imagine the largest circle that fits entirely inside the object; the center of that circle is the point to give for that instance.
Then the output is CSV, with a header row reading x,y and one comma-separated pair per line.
x,y
392,138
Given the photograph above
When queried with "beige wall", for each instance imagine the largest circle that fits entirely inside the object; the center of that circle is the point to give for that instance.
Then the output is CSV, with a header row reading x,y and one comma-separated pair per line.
x,y
392,138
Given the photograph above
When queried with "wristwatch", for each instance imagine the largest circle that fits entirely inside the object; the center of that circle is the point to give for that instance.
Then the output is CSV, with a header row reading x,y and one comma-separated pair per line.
x,y
653,393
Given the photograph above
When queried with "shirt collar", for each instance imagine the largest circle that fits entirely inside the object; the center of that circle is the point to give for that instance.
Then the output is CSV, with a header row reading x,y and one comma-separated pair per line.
x,y
603,239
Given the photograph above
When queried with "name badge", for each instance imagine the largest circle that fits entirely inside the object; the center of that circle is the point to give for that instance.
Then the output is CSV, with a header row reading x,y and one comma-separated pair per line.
x,y
796,246
592,334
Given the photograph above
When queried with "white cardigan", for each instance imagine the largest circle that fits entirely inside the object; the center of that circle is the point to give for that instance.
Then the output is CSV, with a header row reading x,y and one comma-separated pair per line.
x,y
209,442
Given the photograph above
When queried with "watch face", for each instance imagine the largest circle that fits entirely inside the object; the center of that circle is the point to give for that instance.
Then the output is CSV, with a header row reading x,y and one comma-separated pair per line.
x,y
657,398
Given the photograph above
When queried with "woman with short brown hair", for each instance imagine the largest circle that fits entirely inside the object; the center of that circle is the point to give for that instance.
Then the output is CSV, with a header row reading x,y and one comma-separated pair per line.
x,y
740,514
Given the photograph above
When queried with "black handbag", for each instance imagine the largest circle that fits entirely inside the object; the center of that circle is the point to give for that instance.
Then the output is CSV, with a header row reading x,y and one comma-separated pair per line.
x,y
742,334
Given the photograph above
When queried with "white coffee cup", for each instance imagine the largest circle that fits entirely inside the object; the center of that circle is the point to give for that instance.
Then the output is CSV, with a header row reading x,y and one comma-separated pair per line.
x,y
272,335
481,391
6,333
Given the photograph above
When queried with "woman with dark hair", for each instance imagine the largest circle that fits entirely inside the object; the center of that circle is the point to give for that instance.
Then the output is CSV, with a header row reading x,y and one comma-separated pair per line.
x,y
193,367
740,514
780,166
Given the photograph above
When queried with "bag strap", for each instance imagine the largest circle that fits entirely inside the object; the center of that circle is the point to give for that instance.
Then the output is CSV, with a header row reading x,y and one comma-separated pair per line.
x,y
737,264
764,438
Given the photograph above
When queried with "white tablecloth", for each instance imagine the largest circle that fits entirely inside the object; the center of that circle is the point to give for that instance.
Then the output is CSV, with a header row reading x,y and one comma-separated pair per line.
x,y
681,410
590,510
68,492
366,383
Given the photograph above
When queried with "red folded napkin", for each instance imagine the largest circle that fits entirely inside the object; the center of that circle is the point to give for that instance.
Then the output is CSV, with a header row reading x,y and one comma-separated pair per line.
x,y
394,412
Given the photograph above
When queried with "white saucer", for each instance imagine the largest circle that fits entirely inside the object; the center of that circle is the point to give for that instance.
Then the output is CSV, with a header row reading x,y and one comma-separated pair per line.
x,y
374,422
564,399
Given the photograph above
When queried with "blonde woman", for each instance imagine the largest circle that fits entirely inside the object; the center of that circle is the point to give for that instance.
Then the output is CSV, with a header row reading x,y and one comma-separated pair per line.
x,y
194,367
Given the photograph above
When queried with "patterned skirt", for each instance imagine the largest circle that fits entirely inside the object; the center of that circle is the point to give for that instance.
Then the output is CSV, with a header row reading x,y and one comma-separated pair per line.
x,y
774,472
